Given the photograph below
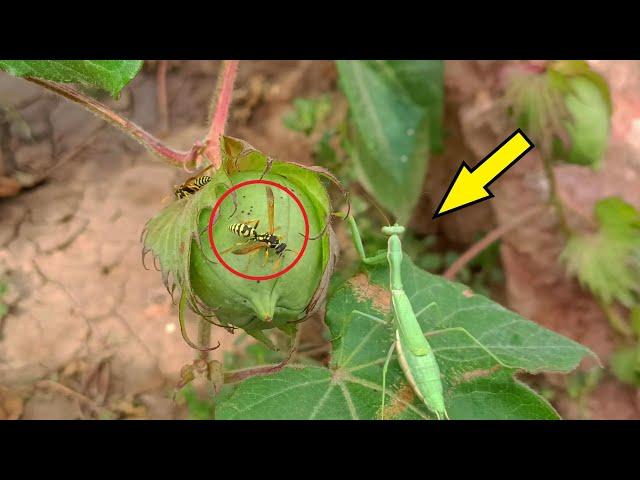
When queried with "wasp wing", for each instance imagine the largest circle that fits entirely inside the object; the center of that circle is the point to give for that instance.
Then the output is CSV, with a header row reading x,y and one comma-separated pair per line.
x,y
251,247
270,208
197,175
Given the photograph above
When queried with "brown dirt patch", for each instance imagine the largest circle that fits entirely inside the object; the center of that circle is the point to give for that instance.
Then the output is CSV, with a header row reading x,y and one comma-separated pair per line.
x,y
403,397
365,291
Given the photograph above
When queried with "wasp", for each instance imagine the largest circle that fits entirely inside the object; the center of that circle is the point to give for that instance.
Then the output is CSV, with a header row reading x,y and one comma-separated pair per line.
x,y
267,241
192,185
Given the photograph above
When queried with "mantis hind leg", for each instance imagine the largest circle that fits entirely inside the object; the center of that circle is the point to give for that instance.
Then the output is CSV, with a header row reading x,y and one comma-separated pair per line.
x,y
473,339
438,314
384,378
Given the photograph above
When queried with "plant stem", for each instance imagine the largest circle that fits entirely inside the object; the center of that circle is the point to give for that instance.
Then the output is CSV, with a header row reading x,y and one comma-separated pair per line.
x,y
554,199
492,236
204,338
220,111
240,375
243,374
163,104
155,146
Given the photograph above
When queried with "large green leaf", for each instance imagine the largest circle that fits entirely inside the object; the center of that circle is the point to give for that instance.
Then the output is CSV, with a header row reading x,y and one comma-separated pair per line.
x,y
422,81
109,75
477,370
396,108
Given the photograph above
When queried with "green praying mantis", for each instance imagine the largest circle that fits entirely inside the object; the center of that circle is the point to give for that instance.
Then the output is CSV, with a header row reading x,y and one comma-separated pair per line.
x,y
415,356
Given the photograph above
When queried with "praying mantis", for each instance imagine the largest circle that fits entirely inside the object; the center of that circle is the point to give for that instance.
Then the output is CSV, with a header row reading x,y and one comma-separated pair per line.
x,y
415,355
416,358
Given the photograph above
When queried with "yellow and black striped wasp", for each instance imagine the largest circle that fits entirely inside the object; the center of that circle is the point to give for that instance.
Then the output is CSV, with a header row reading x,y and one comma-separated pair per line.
x,y
190,186
256,241
193,184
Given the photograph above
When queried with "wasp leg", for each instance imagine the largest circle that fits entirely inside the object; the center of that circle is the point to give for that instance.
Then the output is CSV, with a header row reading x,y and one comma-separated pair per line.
x,y
280,257
250,255
255,220
266,256
276,264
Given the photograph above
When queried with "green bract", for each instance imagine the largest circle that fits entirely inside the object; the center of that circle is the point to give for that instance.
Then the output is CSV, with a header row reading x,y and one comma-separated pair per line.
x,y
589,126
178,237
566,110
607,261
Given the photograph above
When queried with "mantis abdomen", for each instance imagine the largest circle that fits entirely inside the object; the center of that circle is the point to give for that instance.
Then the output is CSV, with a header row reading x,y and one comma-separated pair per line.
x,y
408,323
423,374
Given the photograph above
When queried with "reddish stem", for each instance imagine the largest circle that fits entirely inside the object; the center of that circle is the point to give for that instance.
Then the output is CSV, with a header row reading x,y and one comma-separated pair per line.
x,y
241,375
220,111
151,143
492,236
163,103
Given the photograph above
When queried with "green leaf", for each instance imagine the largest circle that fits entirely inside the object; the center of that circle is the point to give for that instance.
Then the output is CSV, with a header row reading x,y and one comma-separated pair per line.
x,y
477,374
307,114
109,75
625,364
581,383
607,262
198,409
573,68
422,81
396,108
635,319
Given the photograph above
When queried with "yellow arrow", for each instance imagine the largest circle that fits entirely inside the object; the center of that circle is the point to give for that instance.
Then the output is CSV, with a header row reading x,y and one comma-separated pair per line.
x,y
469,185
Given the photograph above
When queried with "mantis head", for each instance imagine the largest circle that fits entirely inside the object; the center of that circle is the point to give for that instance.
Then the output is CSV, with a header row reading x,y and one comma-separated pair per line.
x,y
393,230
